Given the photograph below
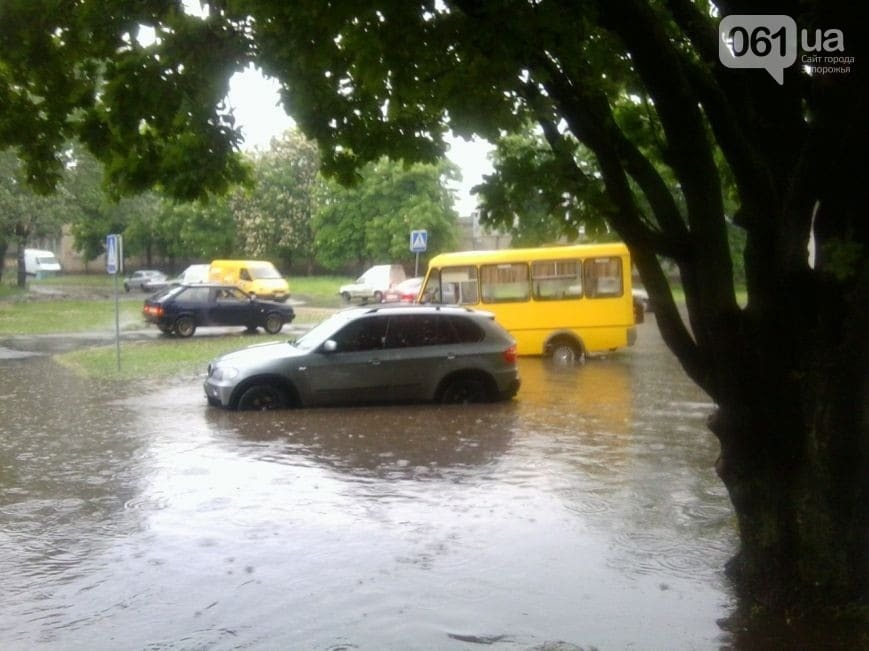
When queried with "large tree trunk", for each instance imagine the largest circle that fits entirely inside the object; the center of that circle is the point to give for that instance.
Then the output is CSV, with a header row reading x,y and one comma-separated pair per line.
x,y
793,424
787,371
796,474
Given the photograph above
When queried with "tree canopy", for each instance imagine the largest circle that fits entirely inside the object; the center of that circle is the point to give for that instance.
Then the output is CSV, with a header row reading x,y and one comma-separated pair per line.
x,y
637,85
371,221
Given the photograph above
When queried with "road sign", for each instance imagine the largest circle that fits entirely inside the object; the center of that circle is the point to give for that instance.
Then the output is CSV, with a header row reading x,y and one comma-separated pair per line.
x,y
114,254
418,241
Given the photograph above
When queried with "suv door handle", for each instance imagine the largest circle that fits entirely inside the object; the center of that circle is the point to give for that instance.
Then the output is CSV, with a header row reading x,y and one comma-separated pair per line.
x,y
374,362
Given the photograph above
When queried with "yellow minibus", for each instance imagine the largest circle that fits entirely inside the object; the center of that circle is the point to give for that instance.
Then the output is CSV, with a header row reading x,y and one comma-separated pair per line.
x,y
558,301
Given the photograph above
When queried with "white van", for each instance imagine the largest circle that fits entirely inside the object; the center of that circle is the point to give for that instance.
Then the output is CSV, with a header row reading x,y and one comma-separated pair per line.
x,y
195,273
373,284
40,263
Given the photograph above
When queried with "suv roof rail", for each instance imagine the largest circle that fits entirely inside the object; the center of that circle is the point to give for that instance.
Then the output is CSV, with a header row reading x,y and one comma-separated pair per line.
x,y
417,306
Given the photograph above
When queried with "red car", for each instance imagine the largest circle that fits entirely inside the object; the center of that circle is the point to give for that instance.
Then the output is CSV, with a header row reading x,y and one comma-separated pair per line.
x,y
404,292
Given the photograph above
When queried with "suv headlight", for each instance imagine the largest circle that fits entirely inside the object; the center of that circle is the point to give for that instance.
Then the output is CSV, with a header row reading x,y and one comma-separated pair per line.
x,y
221,373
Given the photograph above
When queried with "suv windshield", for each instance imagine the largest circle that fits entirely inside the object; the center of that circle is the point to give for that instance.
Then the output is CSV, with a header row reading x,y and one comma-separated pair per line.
x,y
322,331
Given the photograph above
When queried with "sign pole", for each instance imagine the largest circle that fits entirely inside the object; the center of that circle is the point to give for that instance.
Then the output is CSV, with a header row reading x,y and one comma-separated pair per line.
x,y
117,326
115,266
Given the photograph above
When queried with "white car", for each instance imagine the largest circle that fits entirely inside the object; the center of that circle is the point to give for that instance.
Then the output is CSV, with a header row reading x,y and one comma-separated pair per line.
x,y
140,279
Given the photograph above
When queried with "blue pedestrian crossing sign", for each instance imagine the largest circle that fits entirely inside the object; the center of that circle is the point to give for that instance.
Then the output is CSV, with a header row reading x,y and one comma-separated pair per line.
x,y
114,253
418,241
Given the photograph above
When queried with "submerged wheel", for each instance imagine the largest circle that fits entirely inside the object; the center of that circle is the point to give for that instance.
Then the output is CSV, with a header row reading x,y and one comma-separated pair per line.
x,y
262,397
185,326
378,297
345,296
465,390
565,353
273,324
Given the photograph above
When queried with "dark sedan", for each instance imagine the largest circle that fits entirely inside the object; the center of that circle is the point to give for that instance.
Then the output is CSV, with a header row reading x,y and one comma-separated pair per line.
x,y
183,308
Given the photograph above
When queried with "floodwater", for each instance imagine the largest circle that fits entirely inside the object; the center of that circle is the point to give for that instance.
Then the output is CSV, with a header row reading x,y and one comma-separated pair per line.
x,y
585,512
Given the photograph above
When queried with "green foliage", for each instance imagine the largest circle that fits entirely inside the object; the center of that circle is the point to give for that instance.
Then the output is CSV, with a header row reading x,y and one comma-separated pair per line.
x,y
370,222
196,230
149,105
528,193
93,213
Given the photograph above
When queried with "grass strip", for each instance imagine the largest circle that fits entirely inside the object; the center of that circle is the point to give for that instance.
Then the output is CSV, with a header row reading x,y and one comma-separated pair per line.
x,y
165,357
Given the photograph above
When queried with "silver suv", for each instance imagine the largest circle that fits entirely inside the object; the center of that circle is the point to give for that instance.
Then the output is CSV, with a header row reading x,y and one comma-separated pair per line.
x,y
388,353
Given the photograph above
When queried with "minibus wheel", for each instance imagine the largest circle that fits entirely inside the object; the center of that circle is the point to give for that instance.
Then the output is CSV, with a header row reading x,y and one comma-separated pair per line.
x,y
565,352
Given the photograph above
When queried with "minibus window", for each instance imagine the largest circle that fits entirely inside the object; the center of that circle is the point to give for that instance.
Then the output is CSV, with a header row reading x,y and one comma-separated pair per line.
x,y
452,286
603,277
554,280
504,283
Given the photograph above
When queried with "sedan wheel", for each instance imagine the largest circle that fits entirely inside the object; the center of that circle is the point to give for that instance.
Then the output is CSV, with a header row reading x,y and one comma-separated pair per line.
x,y
464,391
262,397
273,324
185,327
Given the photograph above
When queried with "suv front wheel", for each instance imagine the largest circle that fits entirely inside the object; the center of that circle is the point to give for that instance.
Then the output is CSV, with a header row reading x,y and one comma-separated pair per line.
x,y
262,397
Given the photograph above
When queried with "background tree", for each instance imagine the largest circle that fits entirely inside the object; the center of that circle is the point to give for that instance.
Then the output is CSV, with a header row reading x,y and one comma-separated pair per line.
x,y
24,214
93,213
274,214
528,196
198,230
370,222
390,77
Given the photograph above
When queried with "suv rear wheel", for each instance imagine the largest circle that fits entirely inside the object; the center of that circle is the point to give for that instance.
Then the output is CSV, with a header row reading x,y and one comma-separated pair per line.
x,y
466,389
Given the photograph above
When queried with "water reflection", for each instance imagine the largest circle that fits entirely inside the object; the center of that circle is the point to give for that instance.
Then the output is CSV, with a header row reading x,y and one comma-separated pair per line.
x,y
413,443
585,511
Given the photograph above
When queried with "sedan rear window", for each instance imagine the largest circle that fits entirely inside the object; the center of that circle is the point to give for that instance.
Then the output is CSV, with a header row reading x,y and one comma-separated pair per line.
x,y
195,294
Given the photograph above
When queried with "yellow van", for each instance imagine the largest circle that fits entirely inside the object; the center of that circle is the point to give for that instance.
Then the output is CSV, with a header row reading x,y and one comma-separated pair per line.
x,y
257,277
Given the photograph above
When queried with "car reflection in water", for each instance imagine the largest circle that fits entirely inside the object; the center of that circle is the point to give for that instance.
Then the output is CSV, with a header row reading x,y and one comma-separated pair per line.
x,y
398,442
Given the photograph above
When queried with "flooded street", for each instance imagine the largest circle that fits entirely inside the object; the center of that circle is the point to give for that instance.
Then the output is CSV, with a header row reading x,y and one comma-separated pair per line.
x,y
586,511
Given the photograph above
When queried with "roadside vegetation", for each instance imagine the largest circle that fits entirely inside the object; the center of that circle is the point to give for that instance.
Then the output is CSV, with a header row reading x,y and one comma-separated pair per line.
x,y
159,358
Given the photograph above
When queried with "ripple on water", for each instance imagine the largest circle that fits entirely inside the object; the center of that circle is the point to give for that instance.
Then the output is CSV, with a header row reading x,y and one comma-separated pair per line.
x,y
147,503
645,553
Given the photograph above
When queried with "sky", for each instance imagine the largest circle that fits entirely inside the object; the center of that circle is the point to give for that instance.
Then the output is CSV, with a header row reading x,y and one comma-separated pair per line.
x,y
256,104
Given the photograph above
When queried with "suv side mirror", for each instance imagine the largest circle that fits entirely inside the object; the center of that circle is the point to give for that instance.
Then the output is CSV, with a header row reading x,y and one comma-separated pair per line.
x,y
330,346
